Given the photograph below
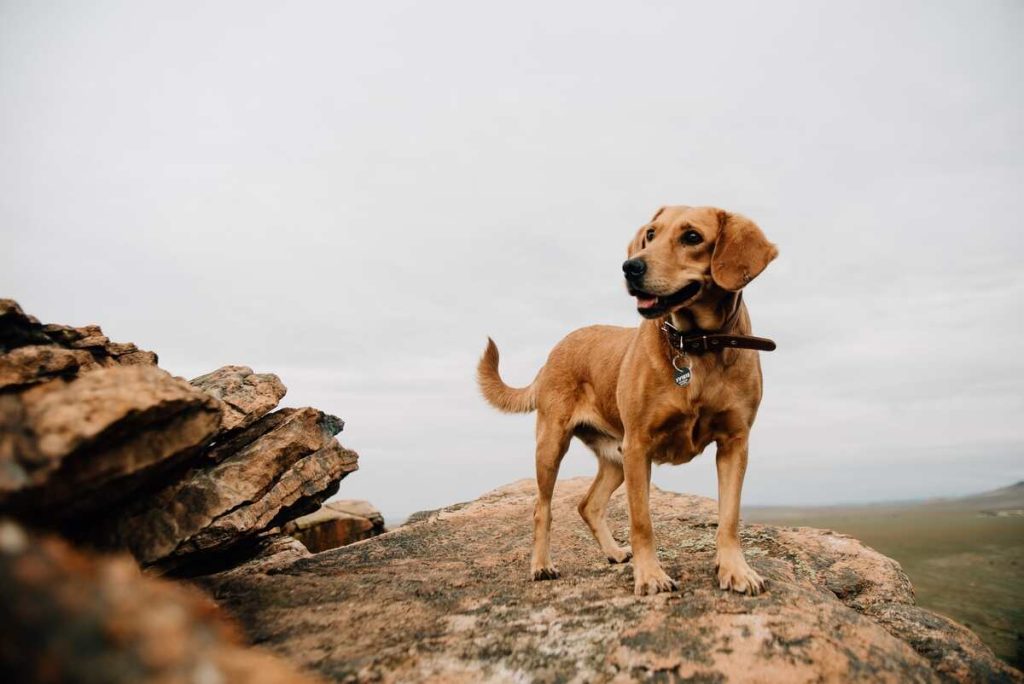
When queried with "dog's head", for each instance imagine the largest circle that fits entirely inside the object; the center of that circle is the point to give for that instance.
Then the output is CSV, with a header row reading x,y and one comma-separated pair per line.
x,y
685,253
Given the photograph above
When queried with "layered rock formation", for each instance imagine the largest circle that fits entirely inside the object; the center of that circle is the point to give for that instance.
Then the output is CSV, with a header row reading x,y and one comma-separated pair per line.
x,y
98,443
446,599
281,467
337,523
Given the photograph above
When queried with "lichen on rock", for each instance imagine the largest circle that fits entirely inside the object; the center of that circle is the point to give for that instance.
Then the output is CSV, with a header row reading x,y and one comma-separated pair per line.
x,y
447,598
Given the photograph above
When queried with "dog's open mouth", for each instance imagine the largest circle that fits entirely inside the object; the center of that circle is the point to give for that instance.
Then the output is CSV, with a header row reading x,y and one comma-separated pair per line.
x,y
651,306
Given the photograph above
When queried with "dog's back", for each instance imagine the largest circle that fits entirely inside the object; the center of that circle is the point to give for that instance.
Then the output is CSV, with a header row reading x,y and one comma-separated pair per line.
x,y
579,376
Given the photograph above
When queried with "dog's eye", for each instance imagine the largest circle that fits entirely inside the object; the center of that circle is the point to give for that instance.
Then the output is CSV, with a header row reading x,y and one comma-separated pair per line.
x,y
650,234
692,237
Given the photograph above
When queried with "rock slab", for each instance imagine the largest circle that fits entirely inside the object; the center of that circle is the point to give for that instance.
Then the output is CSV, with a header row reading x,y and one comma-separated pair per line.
x,y
337,523
246,396
69,446
447,599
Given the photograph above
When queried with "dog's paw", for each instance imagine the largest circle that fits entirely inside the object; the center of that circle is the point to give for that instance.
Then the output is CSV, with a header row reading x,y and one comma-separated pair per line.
x,y
648,582
734,574
620,555
548,572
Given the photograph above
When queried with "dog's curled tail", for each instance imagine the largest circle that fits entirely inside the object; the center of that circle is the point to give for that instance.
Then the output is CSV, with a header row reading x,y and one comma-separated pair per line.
x,y
496,392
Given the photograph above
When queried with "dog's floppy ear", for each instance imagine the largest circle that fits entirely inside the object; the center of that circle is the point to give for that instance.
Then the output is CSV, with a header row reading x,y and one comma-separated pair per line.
x,y
741,252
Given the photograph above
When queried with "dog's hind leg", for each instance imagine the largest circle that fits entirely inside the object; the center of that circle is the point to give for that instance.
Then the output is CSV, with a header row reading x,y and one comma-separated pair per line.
x,y
552,442
593,506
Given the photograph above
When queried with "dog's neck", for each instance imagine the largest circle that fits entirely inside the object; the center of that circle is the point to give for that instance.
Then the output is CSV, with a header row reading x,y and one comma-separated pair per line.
x,y
710,314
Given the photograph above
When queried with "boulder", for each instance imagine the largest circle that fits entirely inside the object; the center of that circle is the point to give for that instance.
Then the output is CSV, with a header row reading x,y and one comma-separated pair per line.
x,y
70,617
73,446
279,468
246,396
337,523
447,598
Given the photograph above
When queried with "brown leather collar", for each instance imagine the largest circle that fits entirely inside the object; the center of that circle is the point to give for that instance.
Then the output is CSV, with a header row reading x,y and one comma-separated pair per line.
x,y
702,341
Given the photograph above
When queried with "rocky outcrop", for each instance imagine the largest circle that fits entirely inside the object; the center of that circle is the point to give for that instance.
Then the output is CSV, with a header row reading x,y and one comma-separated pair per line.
x,y
337,523
447,599
66,616
101,445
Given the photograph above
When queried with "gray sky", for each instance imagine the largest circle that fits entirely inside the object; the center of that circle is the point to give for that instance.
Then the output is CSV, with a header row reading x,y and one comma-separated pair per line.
x,y
353,195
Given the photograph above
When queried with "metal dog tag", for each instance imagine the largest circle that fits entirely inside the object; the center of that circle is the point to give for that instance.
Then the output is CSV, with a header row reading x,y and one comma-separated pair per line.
x,y
683,374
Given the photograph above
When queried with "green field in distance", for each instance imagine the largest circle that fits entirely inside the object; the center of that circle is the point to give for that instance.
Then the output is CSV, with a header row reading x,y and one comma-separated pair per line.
x,y
964,556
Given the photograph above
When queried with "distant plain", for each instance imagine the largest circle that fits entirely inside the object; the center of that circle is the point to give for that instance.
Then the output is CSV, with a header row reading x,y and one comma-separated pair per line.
x,y
964,556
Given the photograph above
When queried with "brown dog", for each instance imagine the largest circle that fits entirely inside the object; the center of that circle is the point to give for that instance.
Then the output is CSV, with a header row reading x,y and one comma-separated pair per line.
x,y
624,391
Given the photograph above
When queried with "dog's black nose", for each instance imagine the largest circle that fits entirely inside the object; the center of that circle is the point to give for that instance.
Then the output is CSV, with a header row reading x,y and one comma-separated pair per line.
x,y
634,268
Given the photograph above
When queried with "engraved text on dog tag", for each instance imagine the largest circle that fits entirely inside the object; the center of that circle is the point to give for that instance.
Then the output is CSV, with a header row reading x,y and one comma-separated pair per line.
x,y
683,373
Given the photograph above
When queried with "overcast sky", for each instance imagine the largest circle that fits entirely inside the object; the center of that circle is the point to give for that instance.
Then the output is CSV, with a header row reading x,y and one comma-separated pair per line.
x,y
354,195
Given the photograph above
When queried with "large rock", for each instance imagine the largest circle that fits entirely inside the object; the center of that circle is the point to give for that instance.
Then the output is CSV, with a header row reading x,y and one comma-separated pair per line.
x,y
70,617
281,467
31,352
337,523
447,599
73,446
246,396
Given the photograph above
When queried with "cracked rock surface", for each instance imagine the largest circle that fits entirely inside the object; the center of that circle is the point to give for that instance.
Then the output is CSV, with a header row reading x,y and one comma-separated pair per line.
x,y
446,598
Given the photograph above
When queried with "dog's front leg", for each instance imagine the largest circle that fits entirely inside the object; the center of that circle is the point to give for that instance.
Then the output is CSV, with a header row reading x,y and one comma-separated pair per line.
x,y
733,571
648,577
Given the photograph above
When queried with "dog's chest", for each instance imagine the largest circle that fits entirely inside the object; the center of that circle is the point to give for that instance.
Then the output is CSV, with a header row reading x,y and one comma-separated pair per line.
x,y
690,418
681,437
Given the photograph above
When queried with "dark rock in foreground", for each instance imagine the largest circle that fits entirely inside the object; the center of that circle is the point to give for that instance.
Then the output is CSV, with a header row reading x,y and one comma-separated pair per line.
x,y
447,599
66,616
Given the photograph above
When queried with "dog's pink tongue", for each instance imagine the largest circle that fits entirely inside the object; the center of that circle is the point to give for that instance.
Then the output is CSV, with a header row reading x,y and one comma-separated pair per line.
x,y
645,302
